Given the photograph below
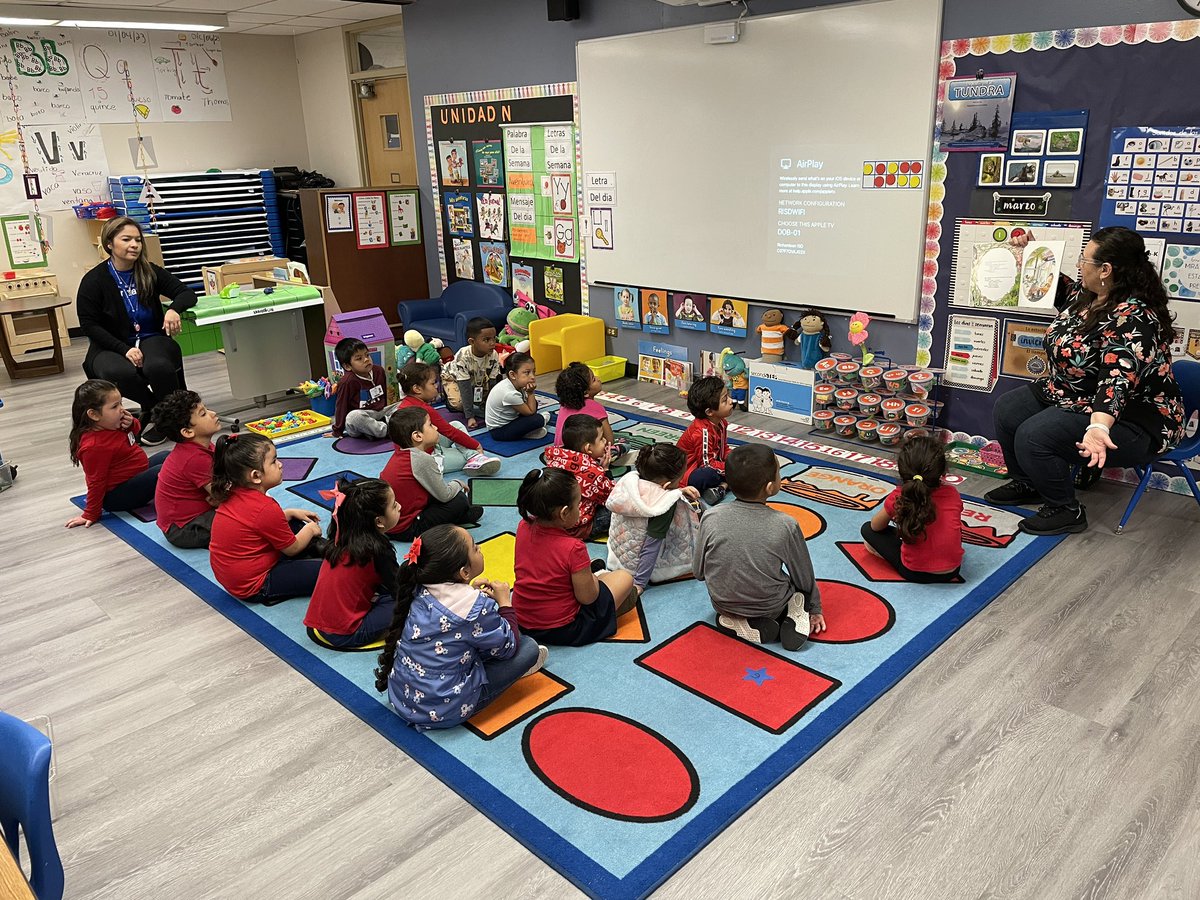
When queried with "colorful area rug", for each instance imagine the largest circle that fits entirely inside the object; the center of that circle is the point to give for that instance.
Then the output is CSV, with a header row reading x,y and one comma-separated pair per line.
x,y
619,761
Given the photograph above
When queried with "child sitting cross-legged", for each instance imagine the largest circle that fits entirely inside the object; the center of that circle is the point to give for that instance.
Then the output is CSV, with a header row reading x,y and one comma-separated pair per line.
x,y
360,408
468,379
453,645
413,475
654,520
352,603
705,441
754,559
585,454
558,597
512,405
455,449
259,552
182,502
925,546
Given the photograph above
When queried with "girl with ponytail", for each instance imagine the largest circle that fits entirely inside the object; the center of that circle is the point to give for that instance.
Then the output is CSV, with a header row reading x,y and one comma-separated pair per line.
x,y
925,545
453,646
256,547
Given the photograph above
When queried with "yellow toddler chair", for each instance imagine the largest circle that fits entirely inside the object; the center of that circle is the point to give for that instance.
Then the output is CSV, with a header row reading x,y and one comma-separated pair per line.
x,y
563,339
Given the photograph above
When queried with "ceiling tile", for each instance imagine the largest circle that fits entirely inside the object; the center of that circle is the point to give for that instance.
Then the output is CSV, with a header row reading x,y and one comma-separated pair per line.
x,y
311,22
202,5
293,7
109,5
360,12
242,18
277,29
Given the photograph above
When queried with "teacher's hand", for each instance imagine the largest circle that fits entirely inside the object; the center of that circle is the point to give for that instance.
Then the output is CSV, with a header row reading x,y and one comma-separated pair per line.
x,y
172,324
1020,240
134,355
1095,446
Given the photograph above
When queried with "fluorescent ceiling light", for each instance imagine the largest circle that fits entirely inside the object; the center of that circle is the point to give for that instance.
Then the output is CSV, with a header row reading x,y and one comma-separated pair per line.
x,y
145,26
86,17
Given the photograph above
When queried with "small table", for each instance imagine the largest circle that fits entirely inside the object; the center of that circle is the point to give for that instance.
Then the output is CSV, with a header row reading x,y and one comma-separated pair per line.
x,y
12,879
33,306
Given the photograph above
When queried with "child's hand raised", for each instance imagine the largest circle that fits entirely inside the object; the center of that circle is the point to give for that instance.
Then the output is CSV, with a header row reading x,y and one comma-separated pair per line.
x,y
497,590
816,623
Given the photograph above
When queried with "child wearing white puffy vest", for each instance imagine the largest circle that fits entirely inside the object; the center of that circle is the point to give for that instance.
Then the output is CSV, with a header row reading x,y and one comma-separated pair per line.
x,y
654,520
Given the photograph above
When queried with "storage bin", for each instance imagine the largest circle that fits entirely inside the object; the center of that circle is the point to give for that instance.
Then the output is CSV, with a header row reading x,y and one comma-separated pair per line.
x,y
608,368
322,405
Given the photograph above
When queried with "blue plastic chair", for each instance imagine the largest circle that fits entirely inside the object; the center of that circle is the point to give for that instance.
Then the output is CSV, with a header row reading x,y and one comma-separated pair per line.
x,y
1187,374
25,802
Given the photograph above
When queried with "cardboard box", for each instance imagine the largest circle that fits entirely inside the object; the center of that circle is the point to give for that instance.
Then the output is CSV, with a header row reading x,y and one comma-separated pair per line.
x,y
240,271
781,390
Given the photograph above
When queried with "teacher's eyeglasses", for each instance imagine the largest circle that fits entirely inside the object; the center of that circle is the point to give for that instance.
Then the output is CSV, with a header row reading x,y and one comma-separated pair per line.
x,y
1084,259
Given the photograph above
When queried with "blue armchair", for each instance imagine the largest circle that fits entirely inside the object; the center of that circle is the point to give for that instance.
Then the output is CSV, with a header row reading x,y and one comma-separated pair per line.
x,y
447,316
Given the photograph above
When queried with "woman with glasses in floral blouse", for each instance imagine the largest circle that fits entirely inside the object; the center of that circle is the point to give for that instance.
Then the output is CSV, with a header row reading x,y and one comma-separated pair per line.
x,y
1108,398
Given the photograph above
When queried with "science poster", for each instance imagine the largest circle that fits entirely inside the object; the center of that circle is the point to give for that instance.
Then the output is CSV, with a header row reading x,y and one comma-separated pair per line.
x,y
977,112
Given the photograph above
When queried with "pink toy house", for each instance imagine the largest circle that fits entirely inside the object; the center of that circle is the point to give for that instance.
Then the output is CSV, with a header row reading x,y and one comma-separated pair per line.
x,y
370,327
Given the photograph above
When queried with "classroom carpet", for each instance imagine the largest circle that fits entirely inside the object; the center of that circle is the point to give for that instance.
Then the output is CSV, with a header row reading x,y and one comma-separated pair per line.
x,y
619,761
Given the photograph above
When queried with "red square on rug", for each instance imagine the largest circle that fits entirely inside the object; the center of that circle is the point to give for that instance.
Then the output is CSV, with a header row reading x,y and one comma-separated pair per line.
x,y
761,687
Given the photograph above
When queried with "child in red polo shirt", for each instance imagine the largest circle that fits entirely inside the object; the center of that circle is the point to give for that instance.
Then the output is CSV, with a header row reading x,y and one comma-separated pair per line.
x,y
925,546
103,440
585,454
182,502
257,548
558,597
456,449
425,498
705,441
352,604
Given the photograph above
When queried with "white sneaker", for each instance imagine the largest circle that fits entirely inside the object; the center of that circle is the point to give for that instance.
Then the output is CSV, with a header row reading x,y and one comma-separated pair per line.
x,y
796,624
741,627
536,435
543,653
482,465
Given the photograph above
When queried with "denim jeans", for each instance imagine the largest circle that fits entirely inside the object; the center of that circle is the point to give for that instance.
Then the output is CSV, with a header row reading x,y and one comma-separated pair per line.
x,y
1039,444
503,673
519,428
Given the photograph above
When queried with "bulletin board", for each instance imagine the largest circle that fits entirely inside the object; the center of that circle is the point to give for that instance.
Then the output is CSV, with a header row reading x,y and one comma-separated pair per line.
x,y
1106,71
472,195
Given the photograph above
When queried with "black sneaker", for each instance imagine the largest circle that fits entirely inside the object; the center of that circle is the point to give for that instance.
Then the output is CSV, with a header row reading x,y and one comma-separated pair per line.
x,y
1013,492
1086,476
794,624
474,513
713,495
151,436
598,565
1056,520
756,631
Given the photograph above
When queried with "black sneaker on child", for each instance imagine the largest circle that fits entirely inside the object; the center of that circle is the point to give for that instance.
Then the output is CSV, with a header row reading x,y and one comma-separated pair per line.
x,y
474,513
1056,520
1013,492
713,495
151,436
756,631
598,565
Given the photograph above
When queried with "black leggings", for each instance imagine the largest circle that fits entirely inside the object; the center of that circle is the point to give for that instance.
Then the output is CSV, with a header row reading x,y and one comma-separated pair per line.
x,y
138,490
146,386
887,544
455,511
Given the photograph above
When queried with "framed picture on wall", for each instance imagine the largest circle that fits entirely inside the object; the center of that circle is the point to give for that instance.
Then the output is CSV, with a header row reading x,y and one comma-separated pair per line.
x,y
1064,142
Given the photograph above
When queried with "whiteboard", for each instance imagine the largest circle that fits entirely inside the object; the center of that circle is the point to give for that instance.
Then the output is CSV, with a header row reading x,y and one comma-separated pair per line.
x,y
739,168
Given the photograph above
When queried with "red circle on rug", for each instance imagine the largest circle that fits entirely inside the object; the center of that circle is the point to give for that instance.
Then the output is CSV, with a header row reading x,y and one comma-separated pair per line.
x,y
631,773
852,613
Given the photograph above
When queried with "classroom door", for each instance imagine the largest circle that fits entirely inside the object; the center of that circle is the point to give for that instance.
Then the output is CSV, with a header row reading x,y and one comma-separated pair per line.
x,y
387,133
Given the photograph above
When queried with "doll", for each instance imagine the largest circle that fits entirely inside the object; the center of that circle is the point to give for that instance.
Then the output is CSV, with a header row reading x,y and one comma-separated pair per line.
x,y
813,338
773,331
733,368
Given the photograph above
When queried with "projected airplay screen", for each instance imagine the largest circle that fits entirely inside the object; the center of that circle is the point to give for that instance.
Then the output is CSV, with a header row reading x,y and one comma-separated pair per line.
x,y
789,168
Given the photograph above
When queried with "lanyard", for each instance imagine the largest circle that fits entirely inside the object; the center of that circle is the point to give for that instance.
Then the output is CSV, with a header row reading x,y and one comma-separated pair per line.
x,y
129,295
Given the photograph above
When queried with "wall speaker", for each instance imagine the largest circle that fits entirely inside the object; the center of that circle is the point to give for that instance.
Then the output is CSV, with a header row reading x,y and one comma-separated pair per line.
x,y
562,10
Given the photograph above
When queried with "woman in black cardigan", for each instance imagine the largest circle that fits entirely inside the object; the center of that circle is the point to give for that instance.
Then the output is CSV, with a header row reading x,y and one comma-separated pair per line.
x,y
130,338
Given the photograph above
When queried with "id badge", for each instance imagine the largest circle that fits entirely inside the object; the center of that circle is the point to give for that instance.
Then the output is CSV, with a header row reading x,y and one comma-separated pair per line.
x,y
478,394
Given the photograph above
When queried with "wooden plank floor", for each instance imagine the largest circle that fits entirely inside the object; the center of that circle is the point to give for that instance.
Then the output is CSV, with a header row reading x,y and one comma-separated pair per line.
x,y
1049,749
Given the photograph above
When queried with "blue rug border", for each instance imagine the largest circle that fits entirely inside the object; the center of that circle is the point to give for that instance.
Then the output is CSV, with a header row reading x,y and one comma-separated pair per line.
x,y
530,832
